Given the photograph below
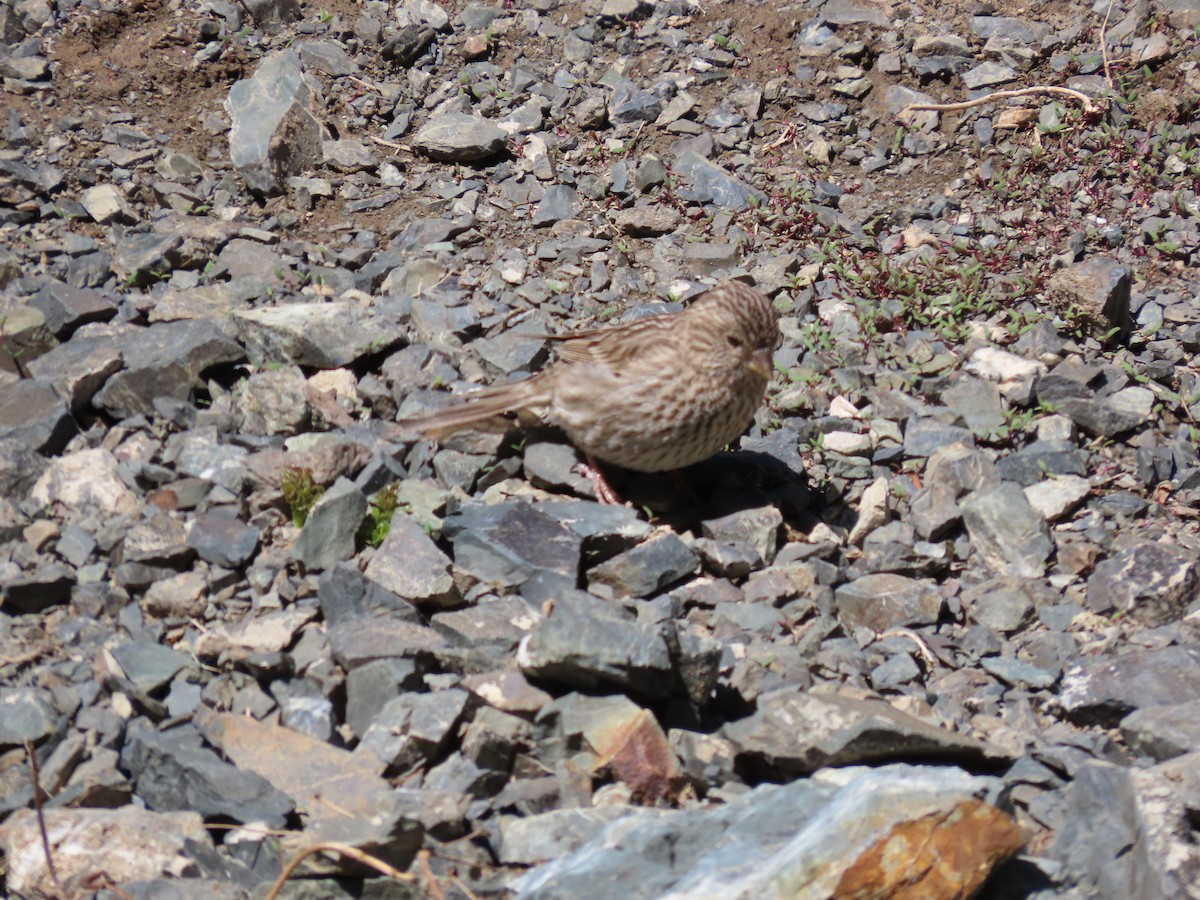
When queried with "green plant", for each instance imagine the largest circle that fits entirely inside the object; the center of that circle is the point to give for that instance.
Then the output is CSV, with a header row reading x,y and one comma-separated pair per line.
x,y
300,492
378,520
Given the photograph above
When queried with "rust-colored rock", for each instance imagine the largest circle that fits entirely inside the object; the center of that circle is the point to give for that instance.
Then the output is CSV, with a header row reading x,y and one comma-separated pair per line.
x,y
638,754
945,856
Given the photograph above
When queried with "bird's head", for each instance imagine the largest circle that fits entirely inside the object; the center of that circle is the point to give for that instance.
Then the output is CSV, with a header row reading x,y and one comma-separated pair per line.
x,y
740,329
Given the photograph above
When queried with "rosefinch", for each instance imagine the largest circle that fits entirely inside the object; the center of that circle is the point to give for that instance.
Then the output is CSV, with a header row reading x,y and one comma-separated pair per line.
x,y
656,394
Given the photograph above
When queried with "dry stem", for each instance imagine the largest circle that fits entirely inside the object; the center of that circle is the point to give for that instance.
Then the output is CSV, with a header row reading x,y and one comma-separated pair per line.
x,y
1089,107
35,777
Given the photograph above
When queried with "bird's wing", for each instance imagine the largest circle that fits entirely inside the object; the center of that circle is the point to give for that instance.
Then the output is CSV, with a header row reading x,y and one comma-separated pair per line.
x,y
620,346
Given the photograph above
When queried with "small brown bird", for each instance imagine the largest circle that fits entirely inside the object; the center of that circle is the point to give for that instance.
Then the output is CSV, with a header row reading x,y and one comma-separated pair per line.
x,y
652,395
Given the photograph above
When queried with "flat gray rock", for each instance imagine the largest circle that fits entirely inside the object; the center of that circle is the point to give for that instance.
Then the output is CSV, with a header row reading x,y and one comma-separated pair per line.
x,y
33,412
506,544
1007,532
321,335
1103,690
223,540
164,361
459,137
1154,583
774,837
173,771
586,644
882,601
27,715
709,183
80,367
646,569
411,566
793,734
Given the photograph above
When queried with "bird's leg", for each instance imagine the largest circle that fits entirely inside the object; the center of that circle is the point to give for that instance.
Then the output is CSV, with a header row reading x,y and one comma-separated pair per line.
x,y
604,491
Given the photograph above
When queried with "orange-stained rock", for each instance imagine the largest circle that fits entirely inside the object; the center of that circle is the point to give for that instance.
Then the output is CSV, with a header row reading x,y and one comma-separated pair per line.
x,y
946,856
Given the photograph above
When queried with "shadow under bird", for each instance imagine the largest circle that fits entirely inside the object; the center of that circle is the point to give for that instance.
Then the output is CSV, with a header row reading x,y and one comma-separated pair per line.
x,y
652,395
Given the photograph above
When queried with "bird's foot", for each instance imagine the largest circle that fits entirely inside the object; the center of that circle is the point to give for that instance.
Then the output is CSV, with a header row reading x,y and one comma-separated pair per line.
x,y
604,491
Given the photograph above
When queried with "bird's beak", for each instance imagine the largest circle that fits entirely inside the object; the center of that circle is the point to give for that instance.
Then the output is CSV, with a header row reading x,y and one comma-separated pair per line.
x,y
762,364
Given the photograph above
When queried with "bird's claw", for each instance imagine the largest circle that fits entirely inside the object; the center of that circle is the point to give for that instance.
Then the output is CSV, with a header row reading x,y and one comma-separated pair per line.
x,y
604,491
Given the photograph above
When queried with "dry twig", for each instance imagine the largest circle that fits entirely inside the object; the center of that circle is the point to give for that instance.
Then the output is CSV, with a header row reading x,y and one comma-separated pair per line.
x,y
392,144
1089,106
350,852
35,777
1104,44
922,648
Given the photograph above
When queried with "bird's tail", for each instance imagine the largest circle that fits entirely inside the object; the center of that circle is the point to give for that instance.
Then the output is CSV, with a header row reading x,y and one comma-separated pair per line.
x,y
479,406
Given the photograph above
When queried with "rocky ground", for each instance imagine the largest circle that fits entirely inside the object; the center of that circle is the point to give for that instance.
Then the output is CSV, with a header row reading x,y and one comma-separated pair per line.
x,y
933,625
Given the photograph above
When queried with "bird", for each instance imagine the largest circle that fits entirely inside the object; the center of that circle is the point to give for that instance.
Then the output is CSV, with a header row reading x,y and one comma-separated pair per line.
x,y
652,395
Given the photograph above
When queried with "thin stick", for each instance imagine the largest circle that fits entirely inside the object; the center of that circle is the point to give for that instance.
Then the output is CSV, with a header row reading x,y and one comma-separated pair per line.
x,y
430,881
922,648
365,84
1104,44
357,855
35,776
391,144
1088,106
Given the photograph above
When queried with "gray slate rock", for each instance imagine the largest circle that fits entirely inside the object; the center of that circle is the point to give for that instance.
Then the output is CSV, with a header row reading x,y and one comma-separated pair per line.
x,y
793,734
369,687
757,527
328,535
768,840
1098,290
80,367
646,569
274,402
222,540
34,413
506,544
149,665
408,44
459,137
629,103
709,183
414,728
277,130
173,771
266,12
321,335
1032,463
33,592
559,202
925,436
882,601
977,402
65,307
1103,843
139,258
1006,531
26,714
586,643
1153,582
539,838
411,566
1163,732
165,361
1103,690
365,622
846,12
1017,31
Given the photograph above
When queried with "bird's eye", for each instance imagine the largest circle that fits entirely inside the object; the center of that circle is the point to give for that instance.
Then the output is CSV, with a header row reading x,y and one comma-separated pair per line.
x,y
734,340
